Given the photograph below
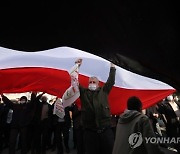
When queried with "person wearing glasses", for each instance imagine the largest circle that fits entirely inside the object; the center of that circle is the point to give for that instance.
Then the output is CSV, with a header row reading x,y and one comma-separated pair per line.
x,y
96,115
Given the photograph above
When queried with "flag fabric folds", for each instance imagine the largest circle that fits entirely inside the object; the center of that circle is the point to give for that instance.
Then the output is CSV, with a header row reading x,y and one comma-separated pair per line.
x,y
72,93
47,71
59,109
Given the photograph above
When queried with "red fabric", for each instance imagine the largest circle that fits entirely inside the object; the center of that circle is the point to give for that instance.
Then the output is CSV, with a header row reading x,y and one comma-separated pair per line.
x,y
55,82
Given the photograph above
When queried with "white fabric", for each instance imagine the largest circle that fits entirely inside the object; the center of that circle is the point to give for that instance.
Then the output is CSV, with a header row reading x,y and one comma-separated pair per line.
x,y
72,93
63,58
175,108
59,109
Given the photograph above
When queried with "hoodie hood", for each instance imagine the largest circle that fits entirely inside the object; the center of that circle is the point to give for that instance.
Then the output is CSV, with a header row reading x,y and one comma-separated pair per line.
x,y
128,116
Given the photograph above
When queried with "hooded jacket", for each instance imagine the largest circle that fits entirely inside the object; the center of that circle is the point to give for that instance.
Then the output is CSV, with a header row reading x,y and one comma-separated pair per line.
x,y
132,128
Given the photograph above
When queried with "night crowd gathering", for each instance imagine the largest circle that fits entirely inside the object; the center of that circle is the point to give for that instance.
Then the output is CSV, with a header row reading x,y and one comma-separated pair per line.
x,y
29,126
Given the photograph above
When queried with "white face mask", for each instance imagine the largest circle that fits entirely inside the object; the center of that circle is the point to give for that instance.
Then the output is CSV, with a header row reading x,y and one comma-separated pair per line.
x,y
176,99
22,102
92,86
170,98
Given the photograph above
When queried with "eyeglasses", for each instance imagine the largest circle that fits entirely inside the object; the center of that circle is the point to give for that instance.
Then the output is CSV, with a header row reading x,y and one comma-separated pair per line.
x,y
92,82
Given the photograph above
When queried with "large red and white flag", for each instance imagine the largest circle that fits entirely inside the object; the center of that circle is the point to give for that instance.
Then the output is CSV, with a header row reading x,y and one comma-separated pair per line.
x,y
47,71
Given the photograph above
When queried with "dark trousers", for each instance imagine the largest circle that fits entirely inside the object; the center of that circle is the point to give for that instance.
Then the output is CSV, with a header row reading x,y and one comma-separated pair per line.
x,y
33,138
4,135
13,138
41,136
173,132
60,129
74,137
79,137
1,138
97,143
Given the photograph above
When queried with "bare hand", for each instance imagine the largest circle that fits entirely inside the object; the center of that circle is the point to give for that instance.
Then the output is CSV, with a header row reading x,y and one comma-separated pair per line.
x,y
78,61
34,92
112,65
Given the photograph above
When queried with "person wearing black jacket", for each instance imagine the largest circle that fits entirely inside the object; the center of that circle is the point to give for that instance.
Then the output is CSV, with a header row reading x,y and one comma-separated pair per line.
x,y
62,126
4,126
78,131
96,114
20,120
171,110
157,120
41,122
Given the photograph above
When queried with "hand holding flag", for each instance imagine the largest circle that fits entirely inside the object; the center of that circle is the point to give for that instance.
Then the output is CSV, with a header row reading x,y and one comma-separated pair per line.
x,y
79,62
72,93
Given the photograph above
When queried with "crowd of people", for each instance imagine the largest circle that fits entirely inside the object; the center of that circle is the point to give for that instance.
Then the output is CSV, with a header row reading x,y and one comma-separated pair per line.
x,y
95,131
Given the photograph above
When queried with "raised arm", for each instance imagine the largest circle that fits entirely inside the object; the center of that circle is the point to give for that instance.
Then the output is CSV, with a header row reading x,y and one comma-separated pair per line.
x,y
33,96
7,101
79,62
111,79
40,95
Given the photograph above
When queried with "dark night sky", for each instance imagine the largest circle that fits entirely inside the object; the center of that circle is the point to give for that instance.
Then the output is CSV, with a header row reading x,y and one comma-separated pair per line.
x,y
140,35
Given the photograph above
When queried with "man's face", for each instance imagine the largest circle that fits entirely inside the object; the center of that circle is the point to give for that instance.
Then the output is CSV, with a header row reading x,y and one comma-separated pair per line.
x,y
22,101
44,99
93,83
170,98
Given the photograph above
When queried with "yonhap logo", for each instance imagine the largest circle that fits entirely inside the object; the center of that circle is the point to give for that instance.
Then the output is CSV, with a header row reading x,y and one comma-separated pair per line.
x,y
135,140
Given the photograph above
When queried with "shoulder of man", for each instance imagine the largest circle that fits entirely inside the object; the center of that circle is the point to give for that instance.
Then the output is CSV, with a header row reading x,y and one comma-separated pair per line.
x,y
143,118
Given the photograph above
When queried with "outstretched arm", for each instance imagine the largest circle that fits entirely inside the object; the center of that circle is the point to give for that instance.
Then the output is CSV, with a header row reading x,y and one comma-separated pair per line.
x,y
111,79
33,96
79,62
40,95
6,100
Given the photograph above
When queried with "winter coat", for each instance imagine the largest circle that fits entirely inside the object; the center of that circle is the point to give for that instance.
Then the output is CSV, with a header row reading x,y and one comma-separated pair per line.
x,y
132,128
95,106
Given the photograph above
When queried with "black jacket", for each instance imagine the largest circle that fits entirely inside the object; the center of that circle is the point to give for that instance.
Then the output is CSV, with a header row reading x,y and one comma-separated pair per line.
x,y
172,123
22,113
3,113
95,110
38,110
67,118
76,116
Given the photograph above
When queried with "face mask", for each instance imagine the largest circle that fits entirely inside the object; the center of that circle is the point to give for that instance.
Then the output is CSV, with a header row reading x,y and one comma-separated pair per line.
x,y
22,102
170,98
92,86
176,99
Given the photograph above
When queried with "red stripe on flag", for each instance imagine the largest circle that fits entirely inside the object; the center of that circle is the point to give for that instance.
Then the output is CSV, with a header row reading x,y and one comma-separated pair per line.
x,y
49,80
55,82
119,96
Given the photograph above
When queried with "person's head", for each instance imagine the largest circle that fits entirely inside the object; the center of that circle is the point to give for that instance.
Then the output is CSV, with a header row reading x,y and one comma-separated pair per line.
x,y
44,98
23,100
176,99
134,103
93,83
170,98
